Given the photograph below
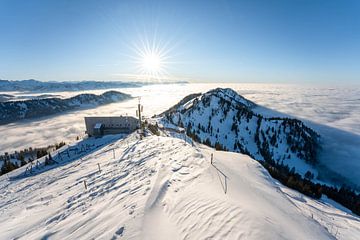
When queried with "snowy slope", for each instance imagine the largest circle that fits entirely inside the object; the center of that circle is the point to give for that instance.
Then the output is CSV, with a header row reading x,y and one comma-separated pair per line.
x,y
160,188
224,118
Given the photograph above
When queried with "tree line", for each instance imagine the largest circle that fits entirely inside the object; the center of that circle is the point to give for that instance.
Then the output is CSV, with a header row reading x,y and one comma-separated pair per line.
x,y
23,157
288,177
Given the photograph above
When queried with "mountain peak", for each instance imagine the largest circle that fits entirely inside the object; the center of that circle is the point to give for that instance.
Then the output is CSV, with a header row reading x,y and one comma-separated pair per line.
x,y
230,95
223,119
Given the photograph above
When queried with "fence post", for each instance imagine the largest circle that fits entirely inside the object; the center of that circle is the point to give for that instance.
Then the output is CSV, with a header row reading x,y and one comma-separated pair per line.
x,y
99,167
211,161
85,185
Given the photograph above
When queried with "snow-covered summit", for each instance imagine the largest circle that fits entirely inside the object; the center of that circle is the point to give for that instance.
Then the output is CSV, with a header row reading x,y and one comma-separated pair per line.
x,y
225,94
223,119
161,188
229,94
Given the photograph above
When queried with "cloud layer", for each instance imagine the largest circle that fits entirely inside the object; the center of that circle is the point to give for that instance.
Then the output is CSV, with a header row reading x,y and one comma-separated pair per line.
x,y
335,107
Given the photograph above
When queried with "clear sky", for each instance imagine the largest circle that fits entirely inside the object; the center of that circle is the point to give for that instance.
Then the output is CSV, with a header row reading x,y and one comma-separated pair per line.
x,y
292,41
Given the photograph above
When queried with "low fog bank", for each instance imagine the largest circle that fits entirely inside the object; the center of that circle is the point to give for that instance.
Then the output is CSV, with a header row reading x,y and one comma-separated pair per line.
x,y
335,107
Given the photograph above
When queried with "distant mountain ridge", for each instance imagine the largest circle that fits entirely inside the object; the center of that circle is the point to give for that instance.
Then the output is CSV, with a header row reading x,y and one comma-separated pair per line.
x,y
16,110
223,119
32,85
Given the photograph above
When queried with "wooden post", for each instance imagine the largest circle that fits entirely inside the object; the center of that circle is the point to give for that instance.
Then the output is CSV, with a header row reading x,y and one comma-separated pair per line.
x,y
212,155
85,185
114,153
99,167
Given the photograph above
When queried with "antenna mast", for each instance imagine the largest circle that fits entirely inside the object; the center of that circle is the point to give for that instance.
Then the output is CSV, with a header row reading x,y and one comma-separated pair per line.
x,y
138,113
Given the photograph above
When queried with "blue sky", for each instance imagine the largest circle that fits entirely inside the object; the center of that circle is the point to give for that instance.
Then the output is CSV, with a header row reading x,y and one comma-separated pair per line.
x,y
205,41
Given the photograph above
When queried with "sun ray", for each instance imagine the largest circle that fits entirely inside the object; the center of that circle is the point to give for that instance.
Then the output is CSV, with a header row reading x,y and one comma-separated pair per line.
x,y
151,58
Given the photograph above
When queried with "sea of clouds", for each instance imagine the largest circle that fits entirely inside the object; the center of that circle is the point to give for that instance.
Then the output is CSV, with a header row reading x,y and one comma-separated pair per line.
x,y
335,107
333,111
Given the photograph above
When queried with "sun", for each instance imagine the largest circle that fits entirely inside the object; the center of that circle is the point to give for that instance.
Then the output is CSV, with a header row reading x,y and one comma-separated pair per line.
x,y
152,63
151,59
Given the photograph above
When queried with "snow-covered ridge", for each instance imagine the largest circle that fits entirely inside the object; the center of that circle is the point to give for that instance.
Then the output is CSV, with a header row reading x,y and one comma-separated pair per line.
x,y
224,93
161,188
16,110
229,94
223,119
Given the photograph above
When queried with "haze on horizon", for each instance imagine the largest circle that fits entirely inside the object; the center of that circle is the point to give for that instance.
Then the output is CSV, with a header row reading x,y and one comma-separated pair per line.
x,y
204,41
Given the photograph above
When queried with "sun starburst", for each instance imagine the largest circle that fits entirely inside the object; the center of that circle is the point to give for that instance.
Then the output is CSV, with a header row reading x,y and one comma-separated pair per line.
x,y
151,59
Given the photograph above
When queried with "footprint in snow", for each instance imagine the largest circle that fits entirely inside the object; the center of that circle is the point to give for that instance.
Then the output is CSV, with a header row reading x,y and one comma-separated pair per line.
x,y
146,190
175,167
132,209
120,231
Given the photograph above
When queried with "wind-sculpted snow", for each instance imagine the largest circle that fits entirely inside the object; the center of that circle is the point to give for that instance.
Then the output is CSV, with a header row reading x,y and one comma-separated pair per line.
x,y
16,110
223,119
160,188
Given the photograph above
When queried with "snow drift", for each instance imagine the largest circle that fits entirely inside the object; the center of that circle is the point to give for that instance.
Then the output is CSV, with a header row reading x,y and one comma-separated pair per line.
x,y
161,188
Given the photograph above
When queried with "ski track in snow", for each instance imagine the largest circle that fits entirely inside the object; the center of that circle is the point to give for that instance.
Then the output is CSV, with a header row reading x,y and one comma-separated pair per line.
x,y
161,188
